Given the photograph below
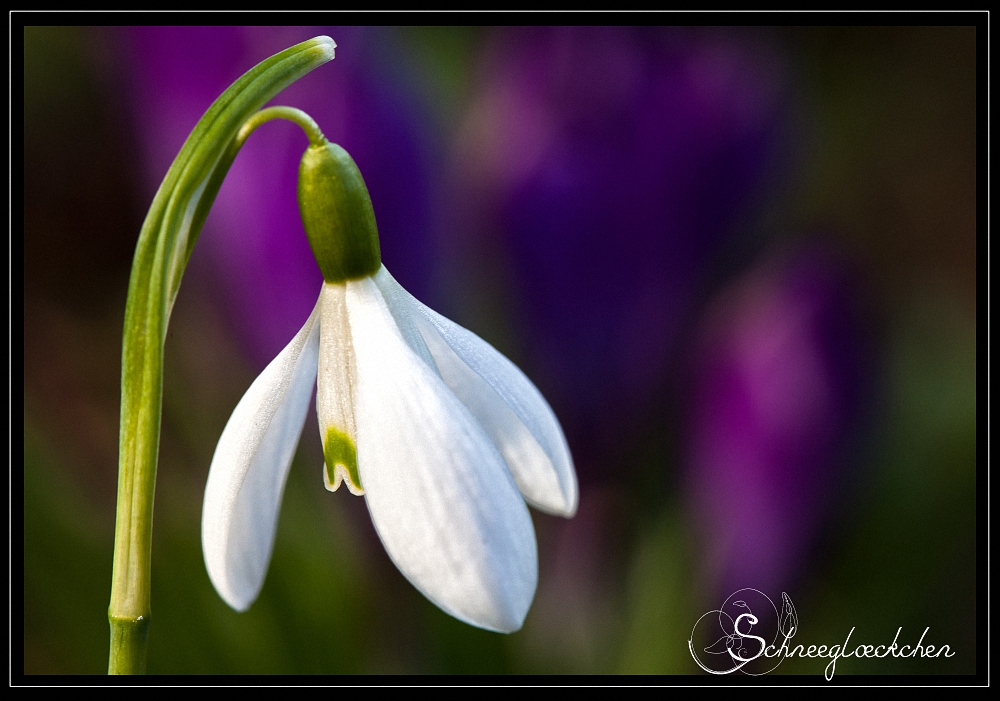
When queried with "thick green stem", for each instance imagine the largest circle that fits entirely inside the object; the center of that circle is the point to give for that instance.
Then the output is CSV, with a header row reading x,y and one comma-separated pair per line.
x,y
165,242
128,645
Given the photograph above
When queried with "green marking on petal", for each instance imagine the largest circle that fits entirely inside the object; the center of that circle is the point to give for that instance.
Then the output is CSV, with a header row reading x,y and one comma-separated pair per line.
x,y
339,451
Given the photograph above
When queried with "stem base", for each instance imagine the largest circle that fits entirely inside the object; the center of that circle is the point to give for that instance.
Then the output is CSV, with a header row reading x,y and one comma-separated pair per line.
x,y
128,645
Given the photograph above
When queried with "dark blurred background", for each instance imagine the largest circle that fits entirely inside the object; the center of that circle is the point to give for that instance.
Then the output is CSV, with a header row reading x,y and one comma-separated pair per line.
x,y
740,264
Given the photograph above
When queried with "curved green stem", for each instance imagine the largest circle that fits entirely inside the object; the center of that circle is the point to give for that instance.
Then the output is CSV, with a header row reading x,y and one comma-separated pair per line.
x,y
165,242
292,114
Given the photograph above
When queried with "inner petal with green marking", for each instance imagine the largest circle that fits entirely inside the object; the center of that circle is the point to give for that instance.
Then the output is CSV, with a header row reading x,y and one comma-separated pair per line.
x,y
335,391
341,457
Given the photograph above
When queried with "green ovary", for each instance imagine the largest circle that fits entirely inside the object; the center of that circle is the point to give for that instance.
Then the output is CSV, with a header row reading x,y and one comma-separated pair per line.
x,y
337,214
339,449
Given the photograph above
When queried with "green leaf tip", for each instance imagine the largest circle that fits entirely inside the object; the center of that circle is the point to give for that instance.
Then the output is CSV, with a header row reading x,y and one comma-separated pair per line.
x,y
326,44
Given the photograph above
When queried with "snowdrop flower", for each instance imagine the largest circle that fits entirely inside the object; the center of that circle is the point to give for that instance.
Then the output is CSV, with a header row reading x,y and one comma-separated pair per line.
x,y
444,436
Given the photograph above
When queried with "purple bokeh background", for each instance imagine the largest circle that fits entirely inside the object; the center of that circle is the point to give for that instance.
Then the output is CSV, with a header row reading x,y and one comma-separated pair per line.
x,y
779,369
613,164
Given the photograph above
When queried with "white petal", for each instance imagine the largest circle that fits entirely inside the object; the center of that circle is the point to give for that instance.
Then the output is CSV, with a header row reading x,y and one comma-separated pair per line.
x,y
440,495
335,391
248,472
510,408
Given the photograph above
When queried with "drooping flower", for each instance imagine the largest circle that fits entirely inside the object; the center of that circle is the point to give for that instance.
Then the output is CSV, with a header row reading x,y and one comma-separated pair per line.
x,y
443,435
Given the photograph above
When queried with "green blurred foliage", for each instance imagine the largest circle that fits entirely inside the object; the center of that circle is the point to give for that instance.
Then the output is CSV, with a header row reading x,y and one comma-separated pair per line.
x,y
910,556
67,569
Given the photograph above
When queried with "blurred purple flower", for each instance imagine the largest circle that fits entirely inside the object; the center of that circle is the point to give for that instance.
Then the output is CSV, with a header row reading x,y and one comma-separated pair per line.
x,y
613,162
253,248
778,385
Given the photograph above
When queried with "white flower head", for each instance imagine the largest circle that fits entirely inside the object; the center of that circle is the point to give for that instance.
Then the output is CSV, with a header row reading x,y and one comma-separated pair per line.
x,y
442,434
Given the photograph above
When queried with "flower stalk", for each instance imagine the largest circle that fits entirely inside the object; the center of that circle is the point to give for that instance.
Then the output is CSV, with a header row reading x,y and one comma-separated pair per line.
x,y
166,240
